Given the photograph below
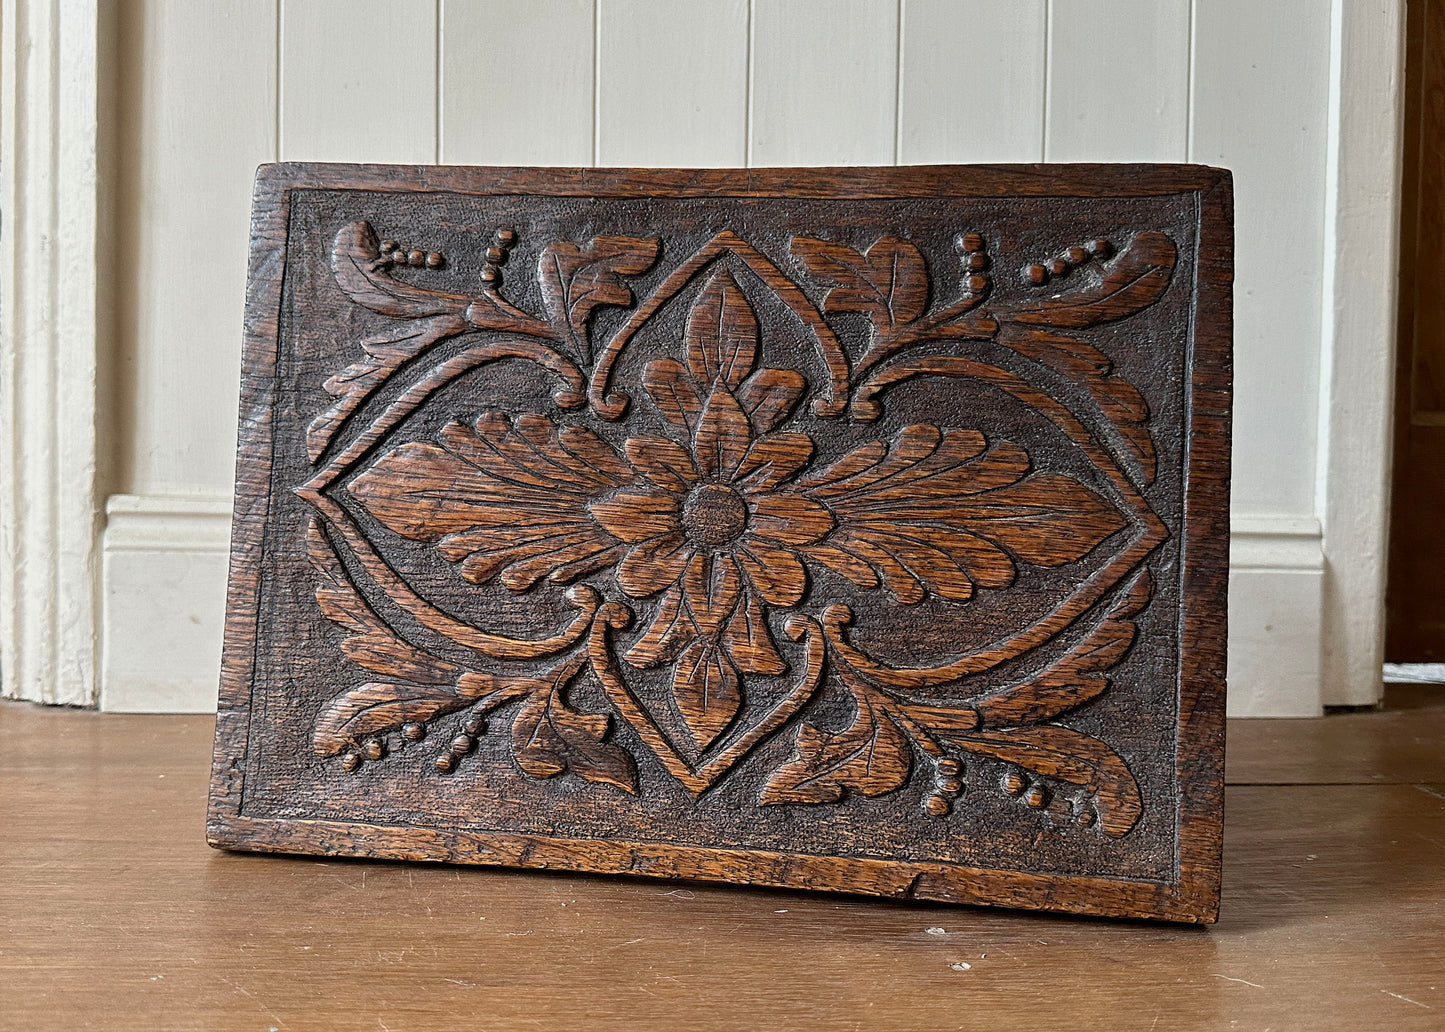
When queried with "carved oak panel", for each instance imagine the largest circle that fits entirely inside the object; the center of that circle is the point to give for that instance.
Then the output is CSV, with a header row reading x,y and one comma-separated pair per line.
x,y
860,528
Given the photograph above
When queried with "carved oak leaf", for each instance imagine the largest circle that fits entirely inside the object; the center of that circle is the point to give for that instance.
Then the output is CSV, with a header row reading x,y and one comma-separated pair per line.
x,y
1077,676
576,280
501,497
550,738
1136,278
1072,756
888,283
722,333
871,757
943,512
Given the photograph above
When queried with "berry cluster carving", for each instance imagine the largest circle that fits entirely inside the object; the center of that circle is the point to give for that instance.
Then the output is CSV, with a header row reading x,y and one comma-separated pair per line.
x,y
687,520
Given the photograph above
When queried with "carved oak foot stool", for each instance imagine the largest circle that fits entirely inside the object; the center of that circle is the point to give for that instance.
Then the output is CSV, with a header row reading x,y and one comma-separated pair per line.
x,y
854,529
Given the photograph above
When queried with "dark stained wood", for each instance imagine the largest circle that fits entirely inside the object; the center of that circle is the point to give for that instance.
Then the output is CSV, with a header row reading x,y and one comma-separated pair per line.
x,y
1415,606
855,529
117,917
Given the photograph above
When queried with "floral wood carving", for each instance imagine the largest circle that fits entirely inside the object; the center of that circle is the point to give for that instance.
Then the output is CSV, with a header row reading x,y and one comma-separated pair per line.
x,y
716,525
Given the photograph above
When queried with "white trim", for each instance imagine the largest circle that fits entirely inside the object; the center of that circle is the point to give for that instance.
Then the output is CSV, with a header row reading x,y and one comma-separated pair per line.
x,y
1276,585
1357,367
164,602
48,345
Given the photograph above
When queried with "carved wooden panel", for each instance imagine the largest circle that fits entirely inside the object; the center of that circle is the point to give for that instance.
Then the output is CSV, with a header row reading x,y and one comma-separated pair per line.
x,y
860,529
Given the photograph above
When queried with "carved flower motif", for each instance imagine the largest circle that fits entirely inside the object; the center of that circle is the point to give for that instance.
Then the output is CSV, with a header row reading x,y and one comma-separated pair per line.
x,y
708,527
715,521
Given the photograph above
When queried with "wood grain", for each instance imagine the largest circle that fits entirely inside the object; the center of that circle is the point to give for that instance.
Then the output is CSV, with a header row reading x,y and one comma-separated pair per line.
x,y
808,536
118,917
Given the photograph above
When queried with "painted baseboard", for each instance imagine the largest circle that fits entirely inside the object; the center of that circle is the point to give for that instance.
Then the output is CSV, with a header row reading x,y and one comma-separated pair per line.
x,y
164,581
1276,616
163,585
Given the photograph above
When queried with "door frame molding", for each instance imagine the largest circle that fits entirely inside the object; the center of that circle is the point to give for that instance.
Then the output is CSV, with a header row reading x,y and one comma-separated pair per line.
x,y
50,251
1357,350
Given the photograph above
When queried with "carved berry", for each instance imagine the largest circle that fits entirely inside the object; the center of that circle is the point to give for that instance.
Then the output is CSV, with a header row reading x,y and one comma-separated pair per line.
x,y
491,276
977,284
1014,783
388,245
1099,248
937,805
1038,275
462,744
948,767
1059,267
496,256
505,237
978,261
1037,797
350,761
950,786
434,260
413,732
446,763
373,749
474,724
1077,255
1086,818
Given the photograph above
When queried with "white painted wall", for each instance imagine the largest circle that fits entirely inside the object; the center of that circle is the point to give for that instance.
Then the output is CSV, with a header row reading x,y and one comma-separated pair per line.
x,y
209,90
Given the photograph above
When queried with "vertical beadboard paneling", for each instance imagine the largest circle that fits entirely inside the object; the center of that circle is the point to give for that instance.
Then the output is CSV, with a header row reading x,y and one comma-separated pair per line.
x,y
972,81
824,82
672,83
1118,80
1265,117
516,82
358,80
197,105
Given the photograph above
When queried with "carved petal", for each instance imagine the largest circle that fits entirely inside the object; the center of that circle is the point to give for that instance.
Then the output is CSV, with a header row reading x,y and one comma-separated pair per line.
x,y
637,514
673,392
670,629
723,436
776,572
771,460
666,463
769,395
712,586
750,643
654,565
790,518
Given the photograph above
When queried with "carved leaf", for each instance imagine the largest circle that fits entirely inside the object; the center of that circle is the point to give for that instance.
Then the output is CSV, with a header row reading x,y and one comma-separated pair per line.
x,y
384,356
722,333
1072,756
943,512
378,706
550,738
872,757
372,643
1133,281
707,691
1136,279
576,280
501,497
888,283
1077,676
355,262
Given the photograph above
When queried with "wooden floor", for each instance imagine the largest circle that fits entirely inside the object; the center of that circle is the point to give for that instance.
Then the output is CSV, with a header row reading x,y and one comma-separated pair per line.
x,y
115,915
